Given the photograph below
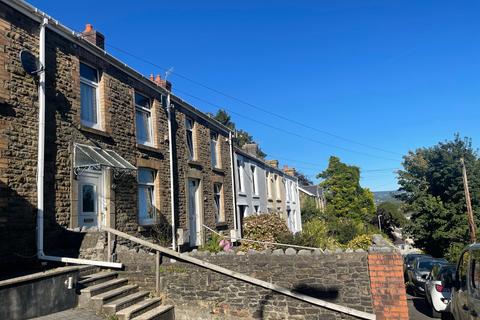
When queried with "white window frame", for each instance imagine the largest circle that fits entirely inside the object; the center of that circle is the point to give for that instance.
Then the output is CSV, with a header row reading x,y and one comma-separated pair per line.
x,y
253,171
214,154
219,216
96,86
276,179
241,173
147,185
149,116
190,130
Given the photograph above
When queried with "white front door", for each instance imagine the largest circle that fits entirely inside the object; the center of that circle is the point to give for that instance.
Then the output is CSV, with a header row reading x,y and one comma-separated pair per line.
x,y
194,221
90,199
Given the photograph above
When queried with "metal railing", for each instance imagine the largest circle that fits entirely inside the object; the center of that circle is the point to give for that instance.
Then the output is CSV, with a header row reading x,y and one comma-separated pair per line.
x,y
233,274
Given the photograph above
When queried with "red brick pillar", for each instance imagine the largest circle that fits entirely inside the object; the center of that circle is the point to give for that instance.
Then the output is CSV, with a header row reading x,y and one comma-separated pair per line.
x,y
387,285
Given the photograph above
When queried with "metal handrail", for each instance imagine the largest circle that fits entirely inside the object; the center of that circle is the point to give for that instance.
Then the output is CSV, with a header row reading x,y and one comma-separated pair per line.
x,y
237,275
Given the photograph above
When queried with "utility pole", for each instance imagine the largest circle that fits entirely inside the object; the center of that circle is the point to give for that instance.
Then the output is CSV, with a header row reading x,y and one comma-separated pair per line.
x,y
471,222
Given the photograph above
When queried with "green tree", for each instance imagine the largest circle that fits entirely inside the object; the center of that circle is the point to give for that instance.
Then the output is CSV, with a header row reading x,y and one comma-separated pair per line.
x,y
309,209
344,196
242,136
432,181
391,216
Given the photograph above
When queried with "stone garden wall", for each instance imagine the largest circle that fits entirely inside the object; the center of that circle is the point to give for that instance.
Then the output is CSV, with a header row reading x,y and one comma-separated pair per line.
x,y
198,293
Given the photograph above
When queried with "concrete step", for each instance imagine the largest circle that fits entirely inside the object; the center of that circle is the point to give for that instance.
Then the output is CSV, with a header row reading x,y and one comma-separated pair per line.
x,y
138,309
165,312
113,306
100,299
96,278
91,291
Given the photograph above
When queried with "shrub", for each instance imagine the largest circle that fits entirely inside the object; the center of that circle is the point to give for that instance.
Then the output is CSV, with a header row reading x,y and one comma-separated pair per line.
x,y
212,244
345,230
315,234
264,227
363,241
454,251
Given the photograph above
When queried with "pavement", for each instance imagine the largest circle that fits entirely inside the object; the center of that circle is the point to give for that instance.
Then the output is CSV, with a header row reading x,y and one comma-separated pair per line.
x,y
71,314
419,309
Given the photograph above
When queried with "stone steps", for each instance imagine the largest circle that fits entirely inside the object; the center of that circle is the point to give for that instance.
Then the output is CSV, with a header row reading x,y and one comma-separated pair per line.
x,y
97,278
159,313
104,292
100,299
91,291
138,309
113,306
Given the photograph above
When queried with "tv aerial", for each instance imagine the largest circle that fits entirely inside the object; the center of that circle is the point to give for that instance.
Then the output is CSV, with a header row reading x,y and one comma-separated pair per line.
x,y
30,63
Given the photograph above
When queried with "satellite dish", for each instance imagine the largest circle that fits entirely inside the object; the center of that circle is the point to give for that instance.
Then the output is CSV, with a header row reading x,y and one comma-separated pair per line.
x,y
30,63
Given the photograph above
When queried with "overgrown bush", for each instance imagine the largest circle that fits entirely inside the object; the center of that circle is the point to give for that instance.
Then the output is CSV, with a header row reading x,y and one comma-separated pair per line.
x,y
454,251
363,241
161,231
315,234
345,230
264,227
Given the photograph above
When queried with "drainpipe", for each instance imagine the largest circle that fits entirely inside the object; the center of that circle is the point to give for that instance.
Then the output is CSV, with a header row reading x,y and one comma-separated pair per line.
x,y
170,146
41,167
236,225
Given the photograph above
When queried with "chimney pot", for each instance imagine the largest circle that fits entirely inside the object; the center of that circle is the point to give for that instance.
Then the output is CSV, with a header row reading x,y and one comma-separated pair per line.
x,y
93,36
152,77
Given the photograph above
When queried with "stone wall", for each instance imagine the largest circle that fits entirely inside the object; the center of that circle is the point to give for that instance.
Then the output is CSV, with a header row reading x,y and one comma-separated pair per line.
x,y
202,294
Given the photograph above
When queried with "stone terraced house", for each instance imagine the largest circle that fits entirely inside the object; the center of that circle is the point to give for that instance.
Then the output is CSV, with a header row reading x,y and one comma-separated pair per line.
x,y
120,149
261,187
107,143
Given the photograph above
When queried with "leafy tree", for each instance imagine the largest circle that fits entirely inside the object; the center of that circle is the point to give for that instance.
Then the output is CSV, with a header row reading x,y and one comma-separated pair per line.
x,y
309,209
344,196
303,180
242,136
391,216
432,181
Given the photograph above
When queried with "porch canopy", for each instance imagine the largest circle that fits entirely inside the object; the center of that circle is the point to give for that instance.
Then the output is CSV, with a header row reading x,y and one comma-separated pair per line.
x,y
89,157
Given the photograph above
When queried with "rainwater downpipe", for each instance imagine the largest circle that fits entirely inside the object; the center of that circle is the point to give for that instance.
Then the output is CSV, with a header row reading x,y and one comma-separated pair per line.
x,y
170,146
236,223
41,167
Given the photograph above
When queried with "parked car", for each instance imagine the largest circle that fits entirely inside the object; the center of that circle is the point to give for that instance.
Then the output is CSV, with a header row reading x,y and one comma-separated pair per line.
x,y
438,288
465,302
417,274
408,262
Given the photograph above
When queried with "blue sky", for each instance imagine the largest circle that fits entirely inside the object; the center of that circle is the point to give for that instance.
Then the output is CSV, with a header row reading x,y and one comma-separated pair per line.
x,y
393,75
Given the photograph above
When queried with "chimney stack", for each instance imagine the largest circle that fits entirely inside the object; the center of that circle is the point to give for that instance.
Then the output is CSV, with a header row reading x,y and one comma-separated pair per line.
x,y
272,163
251,149
93,36
161,83
289,171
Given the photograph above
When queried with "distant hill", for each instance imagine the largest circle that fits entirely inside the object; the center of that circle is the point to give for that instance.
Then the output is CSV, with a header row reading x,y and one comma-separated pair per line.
x,y
383,196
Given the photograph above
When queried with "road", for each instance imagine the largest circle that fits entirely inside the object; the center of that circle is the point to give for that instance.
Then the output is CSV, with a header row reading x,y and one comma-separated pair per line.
x,y
418,309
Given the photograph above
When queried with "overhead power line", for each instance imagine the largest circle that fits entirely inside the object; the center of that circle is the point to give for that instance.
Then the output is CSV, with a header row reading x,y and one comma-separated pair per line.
x,y
288,132
262,109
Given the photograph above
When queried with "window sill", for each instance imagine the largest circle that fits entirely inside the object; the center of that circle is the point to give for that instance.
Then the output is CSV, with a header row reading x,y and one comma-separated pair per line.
x,y
242,194
256,196
219,171
195,163
221,225
279,200
147,148
97,132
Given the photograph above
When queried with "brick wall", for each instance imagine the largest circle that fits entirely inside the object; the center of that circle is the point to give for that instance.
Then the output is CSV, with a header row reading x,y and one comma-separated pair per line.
x,y
387,286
